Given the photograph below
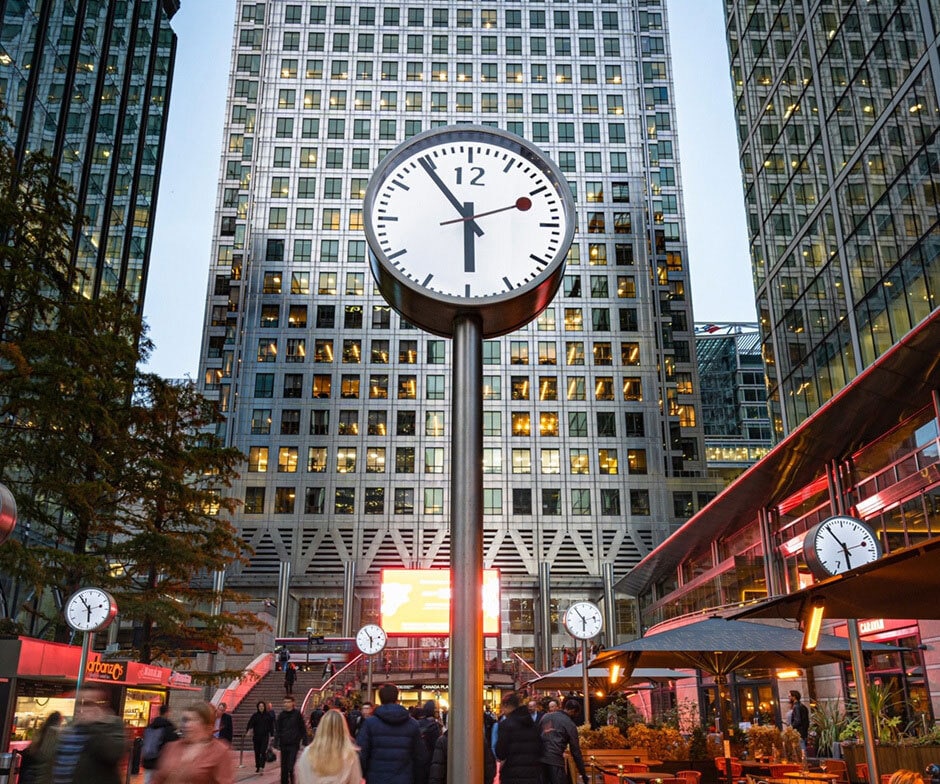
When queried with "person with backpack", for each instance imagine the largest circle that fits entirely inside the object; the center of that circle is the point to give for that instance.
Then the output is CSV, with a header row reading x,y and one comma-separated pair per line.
x,y
290,677
36,766
157,734
429,726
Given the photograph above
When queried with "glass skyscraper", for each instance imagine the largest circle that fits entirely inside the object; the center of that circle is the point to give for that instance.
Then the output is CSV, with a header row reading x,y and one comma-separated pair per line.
x,y
837,107
593,445
88,83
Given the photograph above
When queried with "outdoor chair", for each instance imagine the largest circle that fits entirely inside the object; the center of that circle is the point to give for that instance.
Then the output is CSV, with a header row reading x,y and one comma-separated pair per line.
x,y
778,771
690,776
861,771
837,767
634,767
736,769
673,780
886,778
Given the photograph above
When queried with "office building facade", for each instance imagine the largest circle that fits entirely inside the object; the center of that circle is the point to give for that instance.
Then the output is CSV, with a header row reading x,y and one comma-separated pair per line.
x,y
87,82
734,397
592,441
837,115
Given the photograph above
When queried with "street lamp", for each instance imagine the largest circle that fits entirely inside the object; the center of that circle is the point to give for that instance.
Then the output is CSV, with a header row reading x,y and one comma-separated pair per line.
x,y
309,640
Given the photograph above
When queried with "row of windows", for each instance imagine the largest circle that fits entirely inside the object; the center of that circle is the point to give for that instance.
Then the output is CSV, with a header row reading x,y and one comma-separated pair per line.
x,y
373,502
445,71
417,43
348,459
406,423
350,388
487,18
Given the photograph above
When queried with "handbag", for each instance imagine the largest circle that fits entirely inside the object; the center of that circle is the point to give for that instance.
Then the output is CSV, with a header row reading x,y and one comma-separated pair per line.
x,y
270,756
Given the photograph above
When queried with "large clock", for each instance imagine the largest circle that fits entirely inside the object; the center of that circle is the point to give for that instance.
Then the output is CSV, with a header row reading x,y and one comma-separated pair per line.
x,y
371,639
839,544
468,219
583,620
90,610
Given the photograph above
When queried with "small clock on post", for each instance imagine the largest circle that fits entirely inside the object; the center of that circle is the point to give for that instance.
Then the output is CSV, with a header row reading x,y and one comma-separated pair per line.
x,y
90,610
371,639
584,622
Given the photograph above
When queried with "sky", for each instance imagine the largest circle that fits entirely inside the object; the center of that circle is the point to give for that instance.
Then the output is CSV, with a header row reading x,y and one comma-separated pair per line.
x,y
174,307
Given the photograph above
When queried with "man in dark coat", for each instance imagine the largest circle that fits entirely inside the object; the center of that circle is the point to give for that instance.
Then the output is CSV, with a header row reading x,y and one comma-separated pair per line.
x,y
223,723
390,747
165,730
799,717
517,743
290,732
429,726
438,774
558,732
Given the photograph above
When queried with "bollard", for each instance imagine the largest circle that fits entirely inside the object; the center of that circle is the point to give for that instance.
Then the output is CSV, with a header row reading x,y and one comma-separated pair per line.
x,y
241,752
7,764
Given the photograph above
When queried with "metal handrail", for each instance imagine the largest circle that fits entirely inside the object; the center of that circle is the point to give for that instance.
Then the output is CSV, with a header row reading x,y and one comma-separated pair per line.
x,y
331,682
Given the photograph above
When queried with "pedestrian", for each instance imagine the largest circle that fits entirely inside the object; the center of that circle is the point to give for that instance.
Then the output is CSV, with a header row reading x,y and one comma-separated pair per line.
x,y
36,765
517,743
332,757
290,676
799,717
290,733
438,770
534,711
557,732
429,726
282,658
198,757
223,729
390,747
261,727
329,669
91,749
158,733
316,716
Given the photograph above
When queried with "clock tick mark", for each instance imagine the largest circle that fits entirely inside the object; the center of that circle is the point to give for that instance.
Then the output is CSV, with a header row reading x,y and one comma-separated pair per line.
x,y
427,280
508,283
538,190
395,255
466,290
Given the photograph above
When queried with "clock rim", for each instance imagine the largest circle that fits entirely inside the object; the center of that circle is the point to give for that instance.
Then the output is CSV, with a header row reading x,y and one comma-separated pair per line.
x,y
581,604
372,626
436,312
811,556
105,622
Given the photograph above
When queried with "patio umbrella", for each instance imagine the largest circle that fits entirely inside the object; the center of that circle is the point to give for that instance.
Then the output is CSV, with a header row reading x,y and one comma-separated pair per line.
x,y
572,677
719,646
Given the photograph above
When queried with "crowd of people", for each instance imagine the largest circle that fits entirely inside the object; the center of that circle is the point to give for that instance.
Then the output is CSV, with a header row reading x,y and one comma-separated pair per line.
x,y
336,744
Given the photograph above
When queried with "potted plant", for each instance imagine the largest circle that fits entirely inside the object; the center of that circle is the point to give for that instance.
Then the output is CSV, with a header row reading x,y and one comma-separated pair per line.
x,y
828,722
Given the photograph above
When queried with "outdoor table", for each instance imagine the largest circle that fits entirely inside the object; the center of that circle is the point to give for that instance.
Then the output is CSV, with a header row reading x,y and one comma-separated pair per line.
x,y
756,767
647,776
820,776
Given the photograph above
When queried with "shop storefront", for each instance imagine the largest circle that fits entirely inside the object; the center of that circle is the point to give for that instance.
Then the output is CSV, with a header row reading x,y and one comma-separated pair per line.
x,y
39,677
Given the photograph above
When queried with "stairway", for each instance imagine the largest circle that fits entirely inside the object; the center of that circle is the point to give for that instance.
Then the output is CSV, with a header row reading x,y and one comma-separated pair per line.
x,y
271,689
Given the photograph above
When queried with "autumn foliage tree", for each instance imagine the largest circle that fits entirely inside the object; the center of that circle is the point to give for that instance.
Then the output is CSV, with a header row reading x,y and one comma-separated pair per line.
x,y
119,475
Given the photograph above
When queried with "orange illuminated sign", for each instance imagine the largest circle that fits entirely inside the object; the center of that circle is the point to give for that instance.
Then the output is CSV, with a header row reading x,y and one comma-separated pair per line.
x,y
417,601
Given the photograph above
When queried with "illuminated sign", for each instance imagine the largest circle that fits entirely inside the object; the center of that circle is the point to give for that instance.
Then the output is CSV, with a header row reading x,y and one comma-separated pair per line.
x,y
417,601
871,626
105,670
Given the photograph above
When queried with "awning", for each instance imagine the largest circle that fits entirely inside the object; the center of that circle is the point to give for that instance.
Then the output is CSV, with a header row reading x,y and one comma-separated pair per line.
x,y
904,584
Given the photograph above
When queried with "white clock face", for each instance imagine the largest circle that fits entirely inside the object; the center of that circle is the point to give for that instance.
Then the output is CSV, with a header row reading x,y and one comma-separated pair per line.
x,y
470,219
839,544
583,620
90,610
371,639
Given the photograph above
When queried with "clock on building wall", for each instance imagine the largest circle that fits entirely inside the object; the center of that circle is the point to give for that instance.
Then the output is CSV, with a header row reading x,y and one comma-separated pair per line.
x,y
839,544
583,620
468,219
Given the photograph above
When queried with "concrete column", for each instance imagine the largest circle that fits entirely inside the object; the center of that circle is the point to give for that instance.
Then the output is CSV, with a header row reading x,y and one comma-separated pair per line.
x,y
349,598
545,617
283,595
610,606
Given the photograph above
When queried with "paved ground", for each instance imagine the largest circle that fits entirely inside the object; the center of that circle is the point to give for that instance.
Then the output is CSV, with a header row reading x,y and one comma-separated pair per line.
x,y
271,774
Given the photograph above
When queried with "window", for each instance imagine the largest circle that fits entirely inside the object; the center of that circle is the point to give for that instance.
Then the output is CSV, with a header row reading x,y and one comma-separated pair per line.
x,y
518,352
346,459
577,424
261,421
320,423
344,500
610,501
316,459
521,423
434,460
579,461
348,423
551,501
322,386
407,387
521,501
580,501
264,385
374,500
640,502
404,500
492,500
492,423
576,388
434,424
375,460
254,500
404,460
521,461
574,352
550,461
492,460
314,500
434,500
405,423
258,459
378,387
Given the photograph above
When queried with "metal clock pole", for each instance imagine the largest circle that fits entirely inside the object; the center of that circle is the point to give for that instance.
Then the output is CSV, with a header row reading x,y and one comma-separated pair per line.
x,y
82,666
584,681
369,678
465,720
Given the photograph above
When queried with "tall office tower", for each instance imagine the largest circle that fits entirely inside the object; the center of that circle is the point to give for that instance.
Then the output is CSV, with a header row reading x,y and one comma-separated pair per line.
x,y
88,83
734,395
592,446
837,106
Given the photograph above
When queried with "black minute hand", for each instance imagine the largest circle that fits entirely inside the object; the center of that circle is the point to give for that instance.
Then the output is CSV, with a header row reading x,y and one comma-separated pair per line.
x,y
429,168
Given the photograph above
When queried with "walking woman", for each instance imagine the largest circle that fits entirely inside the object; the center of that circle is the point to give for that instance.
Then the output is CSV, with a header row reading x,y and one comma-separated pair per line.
x,y
261,725
37,758
198,758
332,758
